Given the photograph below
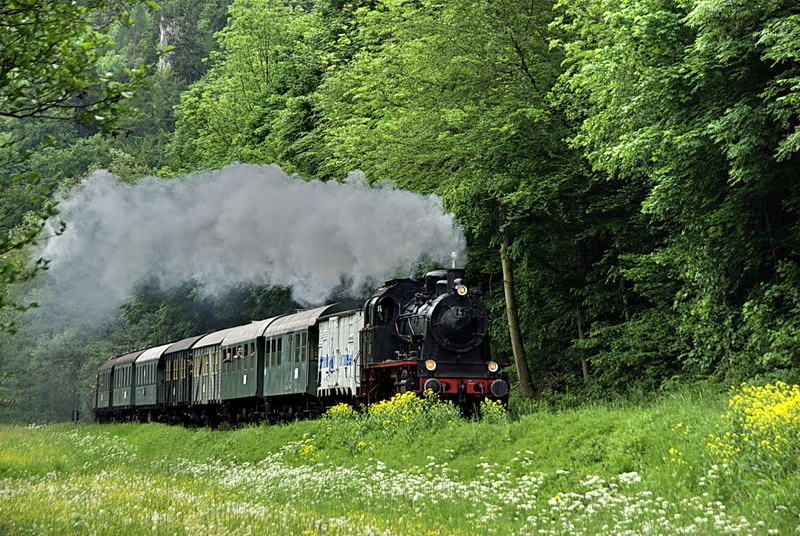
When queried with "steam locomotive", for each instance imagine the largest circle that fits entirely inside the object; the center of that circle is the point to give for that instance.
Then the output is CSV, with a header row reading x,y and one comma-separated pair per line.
x,y
410,335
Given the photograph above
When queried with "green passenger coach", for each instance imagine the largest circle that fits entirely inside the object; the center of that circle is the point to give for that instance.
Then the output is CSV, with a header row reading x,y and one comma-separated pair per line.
x,y
208,359
102,391
150,381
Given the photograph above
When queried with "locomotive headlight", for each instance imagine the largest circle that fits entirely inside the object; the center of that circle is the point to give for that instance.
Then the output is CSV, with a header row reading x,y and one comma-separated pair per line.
x,y
430,364
462,290
492,366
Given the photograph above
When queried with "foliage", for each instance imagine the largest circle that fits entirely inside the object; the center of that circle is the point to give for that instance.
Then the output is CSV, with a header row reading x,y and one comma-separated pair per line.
x,y
637,158
404,417
48,69
227,115
493,412
47,49
684,99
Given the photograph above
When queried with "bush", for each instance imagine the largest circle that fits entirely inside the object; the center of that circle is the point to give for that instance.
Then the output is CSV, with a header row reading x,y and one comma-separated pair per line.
x,y
762,430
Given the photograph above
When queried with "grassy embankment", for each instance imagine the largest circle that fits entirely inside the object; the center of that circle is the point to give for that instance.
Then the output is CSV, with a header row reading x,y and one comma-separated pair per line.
x,y
415,467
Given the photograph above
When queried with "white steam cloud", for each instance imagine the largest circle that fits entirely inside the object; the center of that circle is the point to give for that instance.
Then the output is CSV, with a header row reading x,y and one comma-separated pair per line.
x,y
244,224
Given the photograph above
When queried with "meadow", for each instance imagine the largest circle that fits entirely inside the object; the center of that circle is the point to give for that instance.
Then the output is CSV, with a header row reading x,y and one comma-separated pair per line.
x,y
703,462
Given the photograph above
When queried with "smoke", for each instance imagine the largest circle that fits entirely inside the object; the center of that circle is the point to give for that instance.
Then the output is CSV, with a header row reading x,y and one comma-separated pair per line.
x,y
244,224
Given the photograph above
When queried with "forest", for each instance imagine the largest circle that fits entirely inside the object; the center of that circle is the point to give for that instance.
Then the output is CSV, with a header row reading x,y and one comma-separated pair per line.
x,y
627,167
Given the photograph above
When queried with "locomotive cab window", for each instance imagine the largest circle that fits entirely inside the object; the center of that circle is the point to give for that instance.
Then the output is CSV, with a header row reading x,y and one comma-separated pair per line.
x,y
383,311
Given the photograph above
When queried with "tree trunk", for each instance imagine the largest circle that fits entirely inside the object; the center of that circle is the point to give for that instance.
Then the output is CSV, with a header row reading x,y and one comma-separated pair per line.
x,y
525,385
581,336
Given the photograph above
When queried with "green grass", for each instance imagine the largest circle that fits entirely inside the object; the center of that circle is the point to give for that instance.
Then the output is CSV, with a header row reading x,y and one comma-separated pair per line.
x,y
605,468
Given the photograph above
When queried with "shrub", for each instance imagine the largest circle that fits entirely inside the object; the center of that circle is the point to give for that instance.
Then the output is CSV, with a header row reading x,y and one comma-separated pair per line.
x,y
404,415
763,429
493,412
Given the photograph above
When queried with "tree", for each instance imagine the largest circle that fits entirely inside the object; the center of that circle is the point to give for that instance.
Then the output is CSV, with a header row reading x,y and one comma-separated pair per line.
x,y
46,71
46,59
455,102
229,114
697,102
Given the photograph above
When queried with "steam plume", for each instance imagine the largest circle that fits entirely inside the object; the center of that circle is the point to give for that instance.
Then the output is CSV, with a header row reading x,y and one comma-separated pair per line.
x,y
245,224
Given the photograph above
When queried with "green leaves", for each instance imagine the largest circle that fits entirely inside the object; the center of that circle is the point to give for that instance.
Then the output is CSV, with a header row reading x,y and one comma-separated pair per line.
x,y
694,100
45,60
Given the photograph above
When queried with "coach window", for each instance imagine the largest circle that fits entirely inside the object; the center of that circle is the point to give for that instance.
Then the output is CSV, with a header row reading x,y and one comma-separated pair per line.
x,y
280,350
299,346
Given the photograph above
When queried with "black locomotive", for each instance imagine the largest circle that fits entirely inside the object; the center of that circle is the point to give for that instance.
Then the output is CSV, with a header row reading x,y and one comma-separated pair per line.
x,y
432,336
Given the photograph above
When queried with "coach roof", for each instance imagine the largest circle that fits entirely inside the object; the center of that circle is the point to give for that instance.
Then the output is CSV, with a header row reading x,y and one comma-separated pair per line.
x,y
183,344
213,338
152,354
248,332
304,319
128,358
108,364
